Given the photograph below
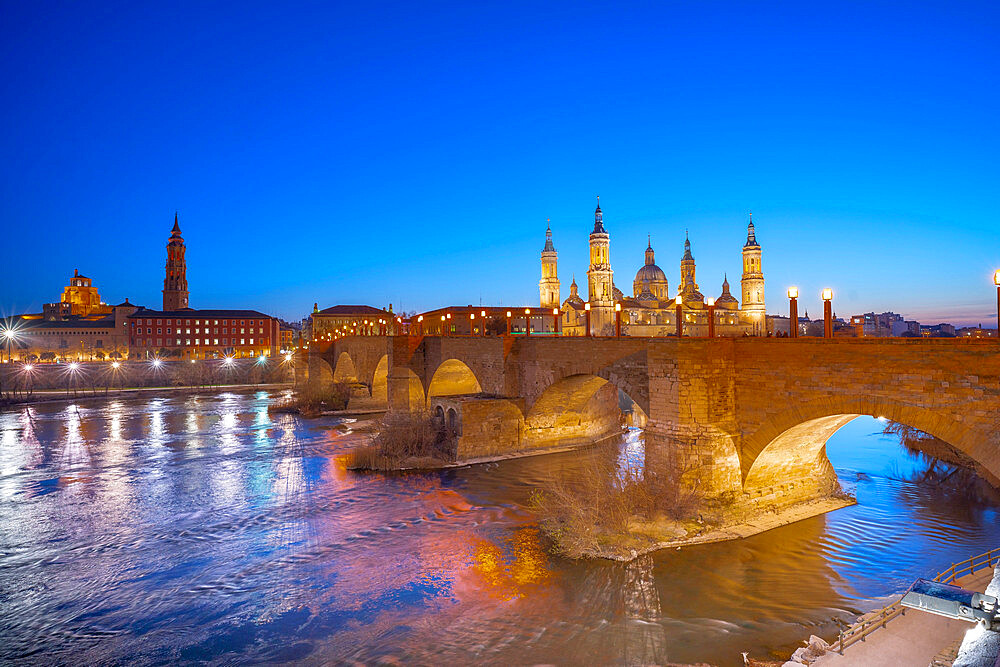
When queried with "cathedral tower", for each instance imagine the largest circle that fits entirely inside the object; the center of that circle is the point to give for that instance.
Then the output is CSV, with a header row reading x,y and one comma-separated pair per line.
x,y
599,278
175,286
688,287
548,286
753,282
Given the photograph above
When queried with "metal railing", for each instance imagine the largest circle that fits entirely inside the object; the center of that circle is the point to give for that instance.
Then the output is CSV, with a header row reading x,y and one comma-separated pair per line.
x,y
871,622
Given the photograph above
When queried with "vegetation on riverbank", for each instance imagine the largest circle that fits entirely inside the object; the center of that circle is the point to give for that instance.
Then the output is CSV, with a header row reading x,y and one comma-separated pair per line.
x,y
313,401
612,510
403,440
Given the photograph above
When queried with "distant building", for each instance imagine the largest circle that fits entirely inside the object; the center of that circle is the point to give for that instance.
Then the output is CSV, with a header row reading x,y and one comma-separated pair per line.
x,y
906,328
875,324
359,320
202,334
651,311
471,320
976,332
942,330
79,298
74,337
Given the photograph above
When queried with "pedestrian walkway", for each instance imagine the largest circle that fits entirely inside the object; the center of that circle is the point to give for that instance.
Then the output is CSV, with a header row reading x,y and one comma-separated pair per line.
x,y
916,638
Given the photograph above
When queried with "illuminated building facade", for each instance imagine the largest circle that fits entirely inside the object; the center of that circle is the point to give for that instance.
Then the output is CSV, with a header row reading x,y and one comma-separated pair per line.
x,y
203,334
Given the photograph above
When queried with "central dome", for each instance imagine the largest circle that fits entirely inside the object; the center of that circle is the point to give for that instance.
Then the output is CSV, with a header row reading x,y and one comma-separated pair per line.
x,y
649,273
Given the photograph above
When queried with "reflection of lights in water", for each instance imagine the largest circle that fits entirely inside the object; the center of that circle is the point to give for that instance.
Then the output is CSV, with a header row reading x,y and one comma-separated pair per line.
x,y
512,576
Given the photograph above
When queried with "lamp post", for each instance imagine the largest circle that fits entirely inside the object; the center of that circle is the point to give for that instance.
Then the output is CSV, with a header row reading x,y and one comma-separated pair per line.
x,y
442,325
420,325
827,295
618,320
586,310
508,322
527,321
472,324
710,302
793,312
680,325
996,281
555,321
482,326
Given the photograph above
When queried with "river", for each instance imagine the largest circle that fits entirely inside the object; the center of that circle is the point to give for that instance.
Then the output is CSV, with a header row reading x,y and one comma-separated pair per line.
x,y
184,528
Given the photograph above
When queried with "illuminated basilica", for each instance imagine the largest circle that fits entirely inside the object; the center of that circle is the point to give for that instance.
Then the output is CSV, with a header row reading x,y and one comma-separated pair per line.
x,y
651,311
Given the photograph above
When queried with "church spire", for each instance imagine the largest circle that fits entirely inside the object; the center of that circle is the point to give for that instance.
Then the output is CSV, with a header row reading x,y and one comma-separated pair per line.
x,y
598,219
649,251
548,237
751,235
177,227
687,247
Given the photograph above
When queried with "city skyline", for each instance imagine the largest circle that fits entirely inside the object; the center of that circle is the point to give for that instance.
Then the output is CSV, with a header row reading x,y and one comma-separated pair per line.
x,y
415,161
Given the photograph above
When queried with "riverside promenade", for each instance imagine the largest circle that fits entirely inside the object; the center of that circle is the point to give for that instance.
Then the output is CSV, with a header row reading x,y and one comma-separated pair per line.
x,y
915,638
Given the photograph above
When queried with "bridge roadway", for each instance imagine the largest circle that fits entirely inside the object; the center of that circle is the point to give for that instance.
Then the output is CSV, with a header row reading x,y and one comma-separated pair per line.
x,y
741,417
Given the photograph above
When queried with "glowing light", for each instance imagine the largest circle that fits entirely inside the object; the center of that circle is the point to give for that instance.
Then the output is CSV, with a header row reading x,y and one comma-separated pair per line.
x,y
996,278
586,306
555,311
710,302
28,368
228,361
618,308
288,357
115,365
793,292
74,366
827,294
679,300
156,363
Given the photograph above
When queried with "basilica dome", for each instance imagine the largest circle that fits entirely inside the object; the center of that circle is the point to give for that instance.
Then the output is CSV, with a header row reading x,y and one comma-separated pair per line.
x,y
649,273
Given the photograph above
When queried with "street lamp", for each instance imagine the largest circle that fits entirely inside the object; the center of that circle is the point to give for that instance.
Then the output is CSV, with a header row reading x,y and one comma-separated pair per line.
x,y
527,321
680,326
586,309
793,312
827,295
618,320
996,281
555,320
483,325
508,322
710,302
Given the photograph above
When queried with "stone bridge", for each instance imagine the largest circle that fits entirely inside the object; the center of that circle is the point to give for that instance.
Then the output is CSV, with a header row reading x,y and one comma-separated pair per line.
x,y
745,416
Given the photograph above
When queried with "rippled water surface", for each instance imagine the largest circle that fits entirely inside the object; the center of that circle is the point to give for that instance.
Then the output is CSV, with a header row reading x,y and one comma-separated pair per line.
x,y
199,528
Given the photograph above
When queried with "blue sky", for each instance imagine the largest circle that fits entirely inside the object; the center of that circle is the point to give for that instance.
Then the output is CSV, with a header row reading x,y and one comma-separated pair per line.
x,y
411,153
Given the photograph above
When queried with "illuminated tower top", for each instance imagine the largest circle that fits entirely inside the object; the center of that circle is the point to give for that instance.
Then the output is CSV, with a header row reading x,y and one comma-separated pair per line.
x,y
175,287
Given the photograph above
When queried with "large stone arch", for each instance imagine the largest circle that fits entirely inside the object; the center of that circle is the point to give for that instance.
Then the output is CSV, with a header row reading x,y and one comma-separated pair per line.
x,y
320,372
345,371
452,377
789,442
573,409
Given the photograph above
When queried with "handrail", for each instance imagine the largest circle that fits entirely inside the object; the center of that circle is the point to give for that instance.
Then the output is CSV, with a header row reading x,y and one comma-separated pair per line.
x,y
872,621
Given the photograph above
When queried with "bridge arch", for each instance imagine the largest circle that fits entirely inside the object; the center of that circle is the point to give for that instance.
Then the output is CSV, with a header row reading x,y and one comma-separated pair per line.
x,y
792,443
345,371
452,378
579,407
380,381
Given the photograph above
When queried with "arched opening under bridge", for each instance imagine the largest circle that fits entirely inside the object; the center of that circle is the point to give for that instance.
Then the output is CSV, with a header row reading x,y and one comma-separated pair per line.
x,y
580,408
452,378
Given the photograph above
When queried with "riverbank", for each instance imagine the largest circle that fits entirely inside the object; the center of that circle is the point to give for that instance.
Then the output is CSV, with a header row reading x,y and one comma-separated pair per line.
x,y
55,396
674,534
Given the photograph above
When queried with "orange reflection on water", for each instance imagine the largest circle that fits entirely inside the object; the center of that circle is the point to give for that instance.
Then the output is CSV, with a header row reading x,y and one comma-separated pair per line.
x,y
516,575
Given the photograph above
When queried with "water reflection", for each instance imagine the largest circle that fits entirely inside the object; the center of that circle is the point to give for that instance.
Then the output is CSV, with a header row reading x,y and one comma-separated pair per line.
x,y
201,528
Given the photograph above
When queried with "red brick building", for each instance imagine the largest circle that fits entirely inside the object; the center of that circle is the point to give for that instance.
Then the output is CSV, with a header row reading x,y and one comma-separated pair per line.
x,y
203,334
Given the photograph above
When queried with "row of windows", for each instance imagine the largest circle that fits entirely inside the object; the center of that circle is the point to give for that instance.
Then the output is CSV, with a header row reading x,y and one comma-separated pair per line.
x,y
259,323
197,330
197,341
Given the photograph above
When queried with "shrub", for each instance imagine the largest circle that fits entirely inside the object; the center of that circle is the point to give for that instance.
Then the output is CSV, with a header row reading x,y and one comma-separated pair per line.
x,y
312,400
403,439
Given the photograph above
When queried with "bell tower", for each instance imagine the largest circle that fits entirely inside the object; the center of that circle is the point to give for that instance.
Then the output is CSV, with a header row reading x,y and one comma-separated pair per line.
x,y
175,286
600,288
753,283
548,286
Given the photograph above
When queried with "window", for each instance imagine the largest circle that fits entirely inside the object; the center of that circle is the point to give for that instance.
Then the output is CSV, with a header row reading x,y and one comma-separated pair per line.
x,y
187,331
148,329
159,321
149,321
187,341
168,331
216,341
225,341
159,331
188,322
159,341
197,331
225,330
251,341
216,322
243,341
243,331
178,342
197,321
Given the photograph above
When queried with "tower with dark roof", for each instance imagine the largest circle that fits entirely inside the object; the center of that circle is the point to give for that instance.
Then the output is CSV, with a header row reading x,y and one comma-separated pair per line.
x,y
600,285
175,287
753,282
688,287
548,286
